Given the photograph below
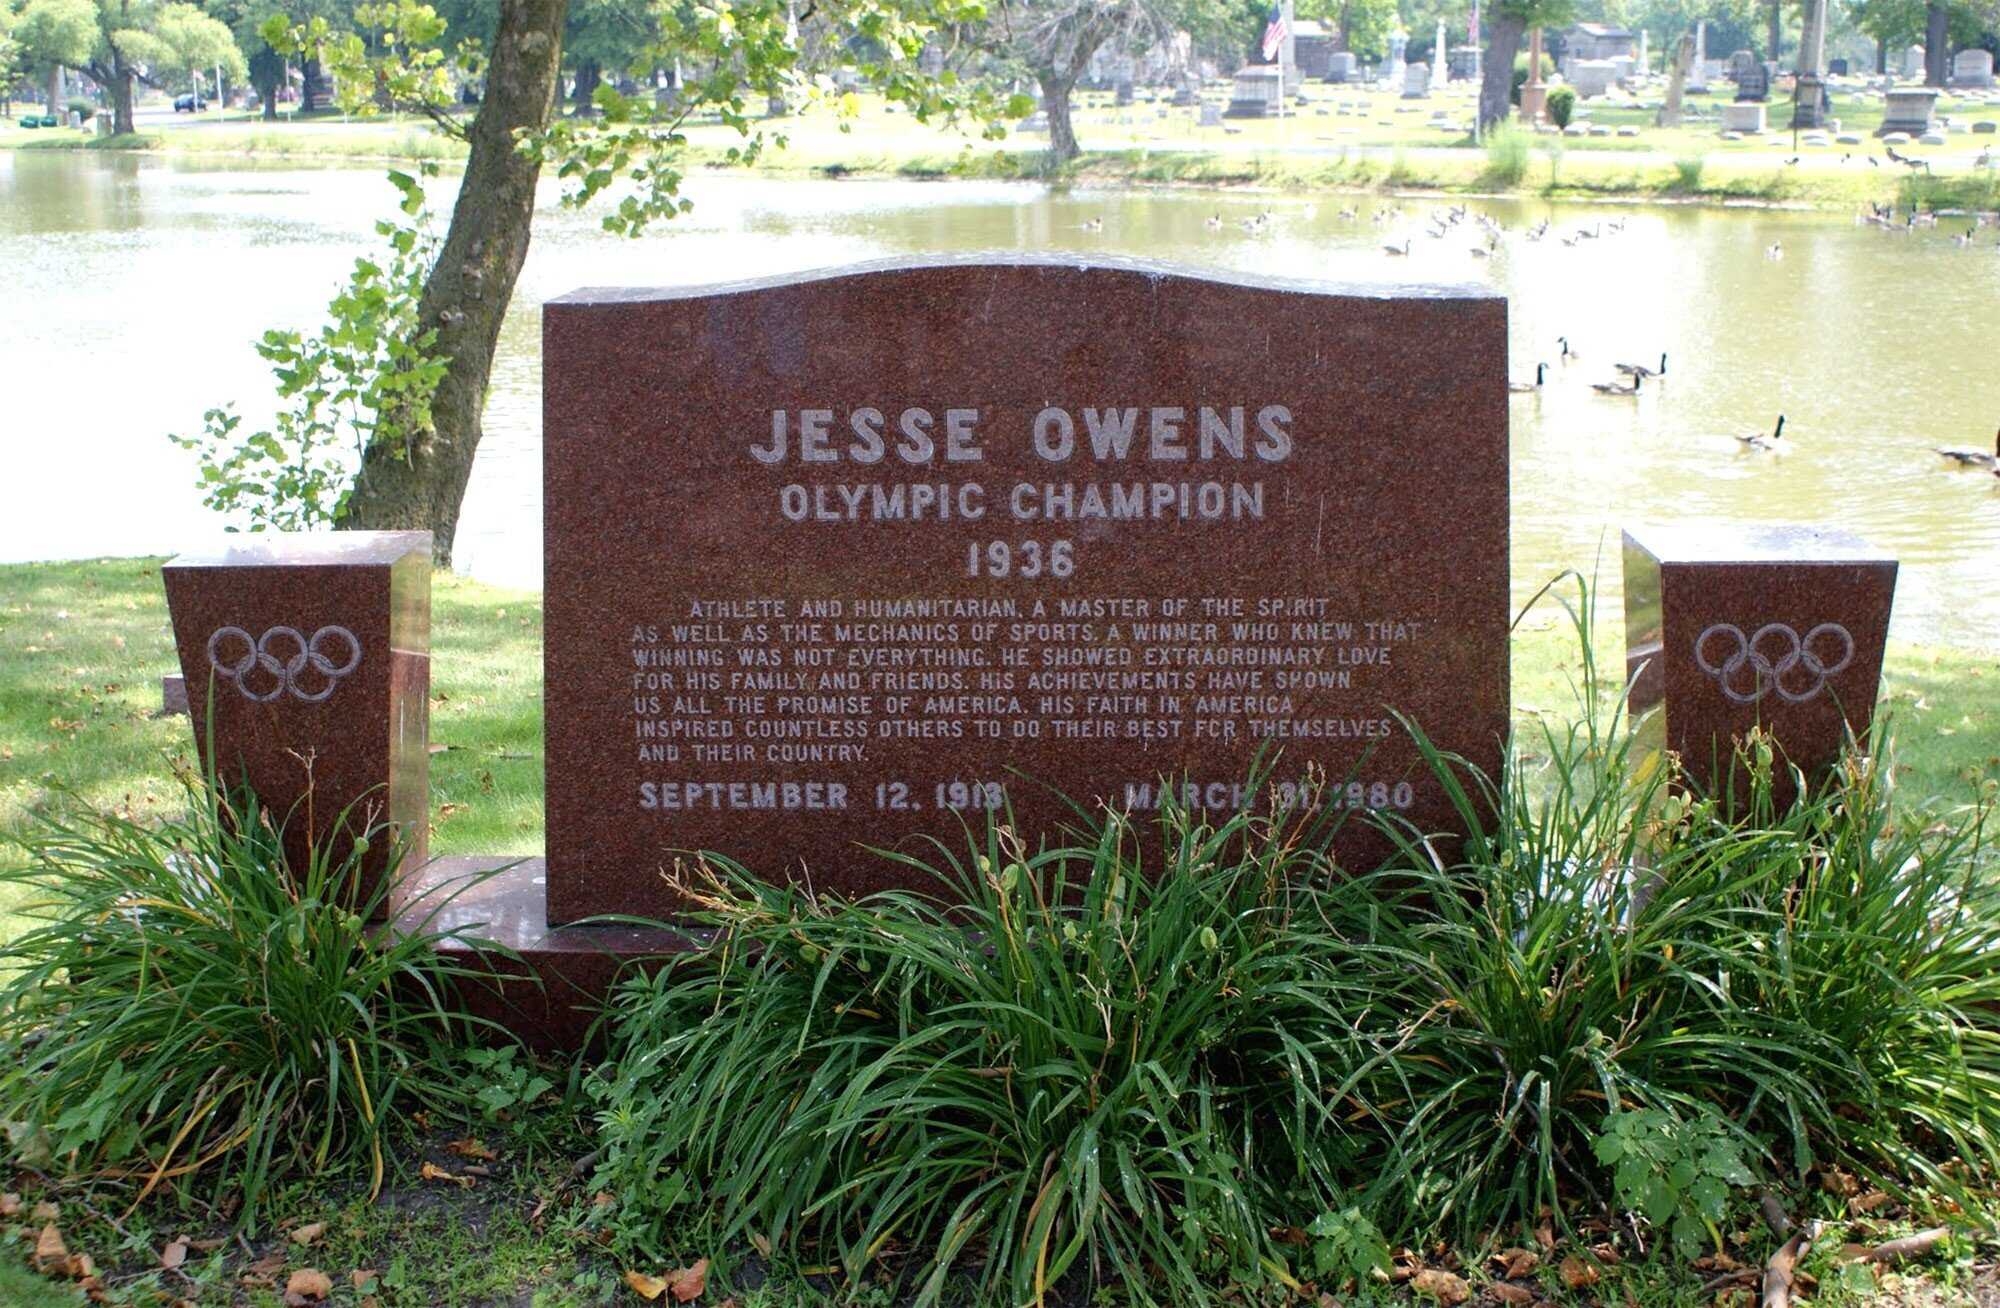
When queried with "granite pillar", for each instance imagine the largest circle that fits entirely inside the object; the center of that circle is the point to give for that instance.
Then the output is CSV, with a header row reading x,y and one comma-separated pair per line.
x,y
306,659
1775,628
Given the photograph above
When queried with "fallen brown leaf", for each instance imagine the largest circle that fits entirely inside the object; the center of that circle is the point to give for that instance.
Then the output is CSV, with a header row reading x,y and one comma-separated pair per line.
x,y
1517,1263
362,1278
308,1233
689,1282
1545,1236
1835,1181
269,1265
1607,1253
1576,1273
1511,1294
471,1147
206,1246
174,1255
1442,1286
646,1287
46,1211
309,1283
1868,1203
50,1251
10,1205
80,1267
432,1172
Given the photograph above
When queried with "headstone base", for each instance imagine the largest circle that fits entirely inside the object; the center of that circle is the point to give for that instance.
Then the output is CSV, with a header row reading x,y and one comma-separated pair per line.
x,y
553,988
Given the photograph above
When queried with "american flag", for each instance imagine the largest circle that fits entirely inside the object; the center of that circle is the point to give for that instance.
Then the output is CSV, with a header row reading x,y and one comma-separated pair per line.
x,y
1274,33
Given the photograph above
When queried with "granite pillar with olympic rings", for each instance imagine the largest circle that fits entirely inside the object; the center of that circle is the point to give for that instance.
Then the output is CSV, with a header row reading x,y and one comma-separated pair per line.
x,y
307,664
1773,629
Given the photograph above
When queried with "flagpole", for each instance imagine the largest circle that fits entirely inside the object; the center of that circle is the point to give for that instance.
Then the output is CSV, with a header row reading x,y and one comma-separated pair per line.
x,y
1286,57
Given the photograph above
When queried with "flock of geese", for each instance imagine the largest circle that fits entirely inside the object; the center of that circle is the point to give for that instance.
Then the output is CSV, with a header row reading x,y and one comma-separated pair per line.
x,y
1488,231
1883,217
1632,376
1628,379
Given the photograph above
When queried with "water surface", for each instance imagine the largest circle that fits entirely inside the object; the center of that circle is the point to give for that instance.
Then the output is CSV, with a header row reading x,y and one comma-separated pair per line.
x,y
135,285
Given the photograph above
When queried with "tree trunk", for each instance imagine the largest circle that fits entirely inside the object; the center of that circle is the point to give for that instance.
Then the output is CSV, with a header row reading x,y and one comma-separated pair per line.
x,y
55,88
1937,38
589,74
1496,86
1056,87
1777,32
466,297
1677,71
1881,58
308,85
121,95
1346,25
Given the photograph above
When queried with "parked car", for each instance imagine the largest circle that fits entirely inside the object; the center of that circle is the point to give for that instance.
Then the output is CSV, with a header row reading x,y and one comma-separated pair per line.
x,y
189,104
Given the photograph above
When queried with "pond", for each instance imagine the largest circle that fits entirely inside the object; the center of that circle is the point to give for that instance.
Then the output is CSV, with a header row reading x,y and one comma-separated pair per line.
x,y
136,284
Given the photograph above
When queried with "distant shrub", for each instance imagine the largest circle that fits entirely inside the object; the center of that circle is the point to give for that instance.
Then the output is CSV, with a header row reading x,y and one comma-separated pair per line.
x,y
1562,103
1687,172
78,105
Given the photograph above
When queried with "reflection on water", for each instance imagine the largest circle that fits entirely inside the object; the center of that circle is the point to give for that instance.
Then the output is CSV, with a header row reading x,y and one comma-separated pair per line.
x,y
136,284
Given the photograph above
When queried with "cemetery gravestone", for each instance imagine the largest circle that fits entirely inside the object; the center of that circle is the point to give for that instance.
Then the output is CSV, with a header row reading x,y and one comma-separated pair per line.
x,y
1913,61
1753,84
1743,116
1778,628
843,560
1972,68
1908,109
1592,77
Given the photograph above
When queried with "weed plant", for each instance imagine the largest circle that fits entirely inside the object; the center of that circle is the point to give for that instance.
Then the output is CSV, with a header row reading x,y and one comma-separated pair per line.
x,y
1507,151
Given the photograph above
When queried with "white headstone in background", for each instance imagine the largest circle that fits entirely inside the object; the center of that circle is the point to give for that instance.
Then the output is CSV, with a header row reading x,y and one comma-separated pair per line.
x,y
1972,68
1592,77
1416,81
1913,61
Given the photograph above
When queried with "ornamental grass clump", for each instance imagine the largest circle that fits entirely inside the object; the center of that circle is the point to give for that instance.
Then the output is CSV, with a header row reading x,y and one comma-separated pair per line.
x,y
1184,1055
192,1011
1114,1056
1609,953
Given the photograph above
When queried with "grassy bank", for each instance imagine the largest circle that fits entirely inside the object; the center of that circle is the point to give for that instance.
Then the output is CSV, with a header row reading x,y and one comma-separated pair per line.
x,y
1345,140
82,647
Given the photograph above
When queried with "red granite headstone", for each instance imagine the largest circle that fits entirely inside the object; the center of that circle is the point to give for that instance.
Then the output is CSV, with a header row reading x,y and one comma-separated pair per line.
x,y
843,560
308,657
1779,627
